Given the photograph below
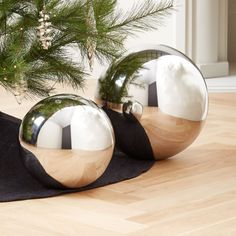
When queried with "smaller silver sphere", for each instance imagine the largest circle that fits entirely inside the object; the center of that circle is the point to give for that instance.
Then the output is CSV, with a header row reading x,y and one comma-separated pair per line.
x,y
71,138
132,110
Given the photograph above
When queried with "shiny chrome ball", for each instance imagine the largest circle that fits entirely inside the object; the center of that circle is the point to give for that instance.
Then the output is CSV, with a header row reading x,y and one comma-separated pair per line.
x,y
132,110
175,98
71,138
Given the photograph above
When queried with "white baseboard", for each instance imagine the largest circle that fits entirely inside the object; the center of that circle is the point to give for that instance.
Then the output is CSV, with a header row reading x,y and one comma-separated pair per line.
x,y
210,70
224,84
221,89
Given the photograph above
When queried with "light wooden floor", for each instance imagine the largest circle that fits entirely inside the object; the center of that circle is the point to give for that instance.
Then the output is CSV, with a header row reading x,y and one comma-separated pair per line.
x,y
192,194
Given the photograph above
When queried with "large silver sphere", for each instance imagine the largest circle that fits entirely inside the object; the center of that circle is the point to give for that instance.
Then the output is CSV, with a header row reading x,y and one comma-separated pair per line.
x,y
175,99
71,137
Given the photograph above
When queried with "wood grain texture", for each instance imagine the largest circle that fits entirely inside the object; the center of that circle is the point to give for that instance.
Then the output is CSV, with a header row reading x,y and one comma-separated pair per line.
x,y
192,194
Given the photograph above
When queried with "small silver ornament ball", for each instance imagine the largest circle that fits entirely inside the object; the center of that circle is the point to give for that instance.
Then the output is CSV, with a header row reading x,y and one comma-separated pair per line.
x,y
132,110
71,138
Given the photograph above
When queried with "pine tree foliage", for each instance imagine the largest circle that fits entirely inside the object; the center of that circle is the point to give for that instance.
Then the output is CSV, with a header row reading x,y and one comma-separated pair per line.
x,y
114,84
25,64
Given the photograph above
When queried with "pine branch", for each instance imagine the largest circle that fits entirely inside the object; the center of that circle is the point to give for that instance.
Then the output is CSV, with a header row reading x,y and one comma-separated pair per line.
x,y
146,16
22,57
38,87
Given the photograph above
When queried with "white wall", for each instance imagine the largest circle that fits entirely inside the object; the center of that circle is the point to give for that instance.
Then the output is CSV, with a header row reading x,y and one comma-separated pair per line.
x,y
232,31
201,32
165,34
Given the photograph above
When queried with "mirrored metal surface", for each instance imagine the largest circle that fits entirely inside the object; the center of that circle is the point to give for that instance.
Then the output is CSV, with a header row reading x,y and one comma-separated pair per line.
x,y
71,137
132,110
176,102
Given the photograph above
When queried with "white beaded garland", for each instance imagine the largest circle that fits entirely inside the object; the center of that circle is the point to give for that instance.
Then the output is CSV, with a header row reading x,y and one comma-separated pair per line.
x,y
44,30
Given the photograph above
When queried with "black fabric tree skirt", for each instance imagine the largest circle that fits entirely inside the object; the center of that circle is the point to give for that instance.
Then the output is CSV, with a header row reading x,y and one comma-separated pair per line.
x,y
16,183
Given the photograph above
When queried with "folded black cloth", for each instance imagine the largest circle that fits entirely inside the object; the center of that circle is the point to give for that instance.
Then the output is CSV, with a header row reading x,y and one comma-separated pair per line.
x,y
16,182
130,136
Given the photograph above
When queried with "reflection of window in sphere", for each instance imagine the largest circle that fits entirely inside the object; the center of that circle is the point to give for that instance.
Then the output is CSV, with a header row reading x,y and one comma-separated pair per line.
x,y
182,100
